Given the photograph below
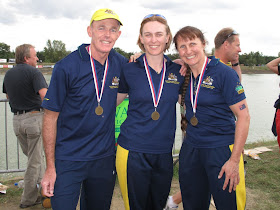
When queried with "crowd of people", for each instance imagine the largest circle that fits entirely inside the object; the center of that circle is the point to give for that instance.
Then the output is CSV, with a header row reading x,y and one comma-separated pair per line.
x,y
73,119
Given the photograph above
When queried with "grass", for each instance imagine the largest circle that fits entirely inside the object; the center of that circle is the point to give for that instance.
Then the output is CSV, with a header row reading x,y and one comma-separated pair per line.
x,y
263,176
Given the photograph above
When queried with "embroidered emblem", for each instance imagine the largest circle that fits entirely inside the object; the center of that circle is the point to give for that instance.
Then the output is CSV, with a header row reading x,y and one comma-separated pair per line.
x,y
239,88
208,81
115,82
172,77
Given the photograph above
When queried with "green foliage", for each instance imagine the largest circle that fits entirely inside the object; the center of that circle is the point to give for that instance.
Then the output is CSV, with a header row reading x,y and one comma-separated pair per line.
x,y
5,51
122,52
55,51
254,59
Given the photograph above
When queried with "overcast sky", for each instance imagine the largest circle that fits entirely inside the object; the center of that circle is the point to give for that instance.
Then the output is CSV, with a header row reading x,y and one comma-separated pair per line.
x,y
36,21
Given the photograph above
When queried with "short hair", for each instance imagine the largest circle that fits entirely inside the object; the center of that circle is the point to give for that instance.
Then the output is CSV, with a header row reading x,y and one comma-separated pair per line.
x,y
189,32
23,51
160,20
226,34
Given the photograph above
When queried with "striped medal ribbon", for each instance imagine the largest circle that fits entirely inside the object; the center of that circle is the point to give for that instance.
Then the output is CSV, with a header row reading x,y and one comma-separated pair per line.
x,y
156,96
194,120
98,109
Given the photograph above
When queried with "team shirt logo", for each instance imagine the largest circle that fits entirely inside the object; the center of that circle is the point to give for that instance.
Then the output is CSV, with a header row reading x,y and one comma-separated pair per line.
x,y
208,82
115,83
172,78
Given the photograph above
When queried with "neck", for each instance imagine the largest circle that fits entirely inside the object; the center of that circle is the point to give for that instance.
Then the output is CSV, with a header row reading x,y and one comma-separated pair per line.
x,y
99,56
221,56
197,69
156,62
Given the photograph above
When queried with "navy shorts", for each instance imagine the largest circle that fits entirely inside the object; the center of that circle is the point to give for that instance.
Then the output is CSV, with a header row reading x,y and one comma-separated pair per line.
x,y
97,178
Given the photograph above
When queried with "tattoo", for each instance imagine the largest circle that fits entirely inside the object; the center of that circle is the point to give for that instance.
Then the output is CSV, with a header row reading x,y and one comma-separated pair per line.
x,y
241,107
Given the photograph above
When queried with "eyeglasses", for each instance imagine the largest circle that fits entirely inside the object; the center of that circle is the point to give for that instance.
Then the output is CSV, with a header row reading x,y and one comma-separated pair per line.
x,y
232,33
151,15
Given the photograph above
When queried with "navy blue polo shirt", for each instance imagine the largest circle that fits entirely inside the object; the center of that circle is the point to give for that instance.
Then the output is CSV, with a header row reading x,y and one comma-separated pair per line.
x,y
139,132
81,134
220,89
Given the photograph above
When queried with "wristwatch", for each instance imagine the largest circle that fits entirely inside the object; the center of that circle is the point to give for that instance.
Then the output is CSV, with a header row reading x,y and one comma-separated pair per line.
x,y
235,64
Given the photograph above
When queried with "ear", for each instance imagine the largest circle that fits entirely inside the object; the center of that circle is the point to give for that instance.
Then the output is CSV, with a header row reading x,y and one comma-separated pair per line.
x,y
89,28
141,38
119,34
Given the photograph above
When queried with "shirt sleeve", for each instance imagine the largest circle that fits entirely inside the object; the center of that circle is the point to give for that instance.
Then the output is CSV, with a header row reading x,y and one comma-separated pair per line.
x,y
232,90
39,81
123,86
57,90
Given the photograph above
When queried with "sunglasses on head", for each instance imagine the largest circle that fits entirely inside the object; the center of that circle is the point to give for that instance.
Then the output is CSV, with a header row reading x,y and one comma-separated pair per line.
x,y
232,33
151,15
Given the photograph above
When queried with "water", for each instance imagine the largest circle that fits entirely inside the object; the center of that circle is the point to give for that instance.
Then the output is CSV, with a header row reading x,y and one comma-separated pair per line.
x,y
261,90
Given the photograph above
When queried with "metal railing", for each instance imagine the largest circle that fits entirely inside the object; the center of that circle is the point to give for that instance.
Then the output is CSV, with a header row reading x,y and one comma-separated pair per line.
x,y
7,169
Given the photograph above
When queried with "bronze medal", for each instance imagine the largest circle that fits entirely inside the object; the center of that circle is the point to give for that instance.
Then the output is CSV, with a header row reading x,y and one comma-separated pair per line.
x,y
155,115
194,121
98,110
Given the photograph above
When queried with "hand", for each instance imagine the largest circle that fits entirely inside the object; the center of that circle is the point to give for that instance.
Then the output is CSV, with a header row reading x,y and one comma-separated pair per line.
x,y
231,170
47,182
183,69
235,59
134,57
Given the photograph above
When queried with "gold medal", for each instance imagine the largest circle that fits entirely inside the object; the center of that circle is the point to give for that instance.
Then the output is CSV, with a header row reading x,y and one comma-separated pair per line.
x,y
99,110
194,121
155,115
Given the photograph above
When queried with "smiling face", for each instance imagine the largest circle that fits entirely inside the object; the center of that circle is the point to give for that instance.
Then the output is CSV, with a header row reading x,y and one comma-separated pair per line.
x,y
154,38
191,51
104,34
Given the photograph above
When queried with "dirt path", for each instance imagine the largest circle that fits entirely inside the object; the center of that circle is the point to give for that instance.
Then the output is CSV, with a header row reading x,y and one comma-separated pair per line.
x,y
117,202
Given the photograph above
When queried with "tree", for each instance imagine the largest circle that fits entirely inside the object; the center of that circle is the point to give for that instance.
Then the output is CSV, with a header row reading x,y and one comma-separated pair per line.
x,y
5,51
125,54
55,51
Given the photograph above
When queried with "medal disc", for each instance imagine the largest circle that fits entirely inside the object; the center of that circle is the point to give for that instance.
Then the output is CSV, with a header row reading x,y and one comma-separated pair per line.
x,y
194,121
99,110
155,115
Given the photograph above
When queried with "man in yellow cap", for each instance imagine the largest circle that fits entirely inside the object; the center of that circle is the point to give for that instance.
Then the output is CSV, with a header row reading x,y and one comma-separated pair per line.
x,y
78,126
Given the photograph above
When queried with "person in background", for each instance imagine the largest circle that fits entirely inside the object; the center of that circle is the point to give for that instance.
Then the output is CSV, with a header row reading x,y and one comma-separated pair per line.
x,y
144,159
211,155
25,87
227,48
78,130
274,66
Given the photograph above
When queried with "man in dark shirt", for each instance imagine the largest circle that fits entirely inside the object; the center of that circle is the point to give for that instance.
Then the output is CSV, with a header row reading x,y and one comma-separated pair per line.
x,y
25,87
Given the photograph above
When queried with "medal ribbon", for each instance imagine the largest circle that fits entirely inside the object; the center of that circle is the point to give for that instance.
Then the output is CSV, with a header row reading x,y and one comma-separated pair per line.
x,y
194,103
95,78
156,97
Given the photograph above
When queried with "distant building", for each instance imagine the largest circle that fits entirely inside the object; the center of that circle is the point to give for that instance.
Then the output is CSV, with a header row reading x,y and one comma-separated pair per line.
x,y
12,60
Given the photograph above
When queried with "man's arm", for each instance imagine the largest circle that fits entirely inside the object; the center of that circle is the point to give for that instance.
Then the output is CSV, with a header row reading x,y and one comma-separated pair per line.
x,y
231,167
273,65
49,140
121,97
42,93
236,67
238,71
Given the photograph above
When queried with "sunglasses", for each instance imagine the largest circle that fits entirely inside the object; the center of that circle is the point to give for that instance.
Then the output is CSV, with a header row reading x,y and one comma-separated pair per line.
x,y
151,15
232,33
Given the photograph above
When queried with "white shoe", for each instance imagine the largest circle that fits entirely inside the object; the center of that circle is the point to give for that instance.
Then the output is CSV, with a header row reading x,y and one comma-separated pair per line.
x,y
170,204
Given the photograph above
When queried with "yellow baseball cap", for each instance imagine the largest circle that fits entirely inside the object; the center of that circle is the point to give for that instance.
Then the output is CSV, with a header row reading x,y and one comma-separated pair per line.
x,y
102,14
